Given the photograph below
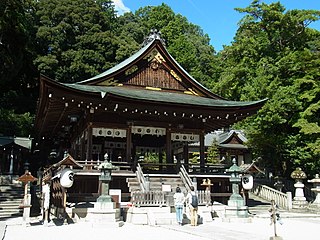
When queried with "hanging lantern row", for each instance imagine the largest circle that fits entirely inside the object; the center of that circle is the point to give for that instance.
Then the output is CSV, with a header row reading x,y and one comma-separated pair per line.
x,y
116,108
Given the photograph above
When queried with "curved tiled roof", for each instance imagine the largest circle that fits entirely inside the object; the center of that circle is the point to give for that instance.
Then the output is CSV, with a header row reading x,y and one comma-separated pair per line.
x,y
162,96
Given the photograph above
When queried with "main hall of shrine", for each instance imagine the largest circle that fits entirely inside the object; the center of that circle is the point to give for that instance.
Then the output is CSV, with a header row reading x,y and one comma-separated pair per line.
x,y
146,110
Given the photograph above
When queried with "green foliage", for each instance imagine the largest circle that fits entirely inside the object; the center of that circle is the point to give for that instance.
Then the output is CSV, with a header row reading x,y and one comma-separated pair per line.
x,y
75,38
213,153
17,74
194,159
12,124
274,54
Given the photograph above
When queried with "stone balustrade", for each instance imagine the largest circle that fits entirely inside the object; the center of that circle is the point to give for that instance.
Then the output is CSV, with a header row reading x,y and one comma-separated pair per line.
x,y
283,200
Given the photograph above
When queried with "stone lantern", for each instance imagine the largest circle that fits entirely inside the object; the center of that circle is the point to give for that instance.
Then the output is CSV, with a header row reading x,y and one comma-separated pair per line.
x,y
315,205
105,177
105,212
235,180
236,204
299,200
278,183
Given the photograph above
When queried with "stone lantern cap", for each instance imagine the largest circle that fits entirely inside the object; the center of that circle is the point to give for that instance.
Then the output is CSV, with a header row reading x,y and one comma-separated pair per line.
x,y
316,179
107,166
298,174
234,168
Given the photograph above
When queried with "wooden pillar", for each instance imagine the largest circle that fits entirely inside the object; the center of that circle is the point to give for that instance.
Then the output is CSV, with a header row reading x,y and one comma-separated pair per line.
x,y
89,142
202,150
168,146
186,156
129,146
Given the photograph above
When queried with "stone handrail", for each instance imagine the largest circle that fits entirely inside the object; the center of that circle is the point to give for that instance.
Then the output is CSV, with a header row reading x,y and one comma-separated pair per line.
x,y
141,178
283,200
185,178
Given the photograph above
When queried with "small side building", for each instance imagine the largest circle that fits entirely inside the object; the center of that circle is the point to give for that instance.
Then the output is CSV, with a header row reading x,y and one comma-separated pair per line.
x,y
14,153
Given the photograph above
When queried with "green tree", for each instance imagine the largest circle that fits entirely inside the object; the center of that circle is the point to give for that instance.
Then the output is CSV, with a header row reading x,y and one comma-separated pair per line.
x,y
274,54
75,38
213,153
17,74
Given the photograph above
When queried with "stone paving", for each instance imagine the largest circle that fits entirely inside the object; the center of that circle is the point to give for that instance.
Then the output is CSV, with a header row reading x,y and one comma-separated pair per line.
x,y
295,226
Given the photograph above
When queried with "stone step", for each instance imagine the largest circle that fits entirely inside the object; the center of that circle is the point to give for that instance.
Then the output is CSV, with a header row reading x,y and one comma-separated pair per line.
x,y
132,179
5,216
10,203
11,197
156,183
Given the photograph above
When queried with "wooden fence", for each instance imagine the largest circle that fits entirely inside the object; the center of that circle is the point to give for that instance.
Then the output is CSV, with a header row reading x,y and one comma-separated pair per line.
x,y
160,198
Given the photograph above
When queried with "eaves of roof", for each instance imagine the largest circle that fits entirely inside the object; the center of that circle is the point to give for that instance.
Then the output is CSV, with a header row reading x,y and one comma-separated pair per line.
x,y
225,136
234,146
161,96
23,142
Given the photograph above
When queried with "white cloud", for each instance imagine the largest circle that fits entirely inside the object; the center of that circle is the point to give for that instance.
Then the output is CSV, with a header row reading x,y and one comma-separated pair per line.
x,y
120,7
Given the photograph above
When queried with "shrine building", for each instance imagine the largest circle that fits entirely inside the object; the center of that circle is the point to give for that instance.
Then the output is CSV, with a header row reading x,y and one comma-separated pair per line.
x,y
144,111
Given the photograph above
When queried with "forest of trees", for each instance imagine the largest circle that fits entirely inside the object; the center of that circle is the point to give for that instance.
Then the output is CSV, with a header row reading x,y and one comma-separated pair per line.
x,y
274,54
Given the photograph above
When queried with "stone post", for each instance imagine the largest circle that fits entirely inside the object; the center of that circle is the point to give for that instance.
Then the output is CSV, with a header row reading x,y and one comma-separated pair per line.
x,y
315,205
147,183
195,183
26,178
207,184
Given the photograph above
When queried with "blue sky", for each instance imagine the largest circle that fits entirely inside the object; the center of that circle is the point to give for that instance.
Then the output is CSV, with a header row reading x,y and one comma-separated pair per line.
x,y
217,18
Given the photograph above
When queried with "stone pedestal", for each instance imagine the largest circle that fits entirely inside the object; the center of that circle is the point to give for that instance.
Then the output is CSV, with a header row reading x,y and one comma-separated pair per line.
x,y
105,214
299,200
236,207
206,212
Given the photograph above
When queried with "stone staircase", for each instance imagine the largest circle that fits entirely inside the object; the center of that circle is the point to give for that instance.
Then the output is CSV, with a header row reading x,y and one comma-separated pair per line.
x,y
11,196
133,184
157,181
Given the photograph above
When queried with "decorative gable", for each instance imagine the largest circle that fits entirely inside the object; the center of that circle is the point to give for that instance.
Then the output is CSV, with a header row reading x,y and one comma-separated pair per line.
x,y
235,140
234,137
152,67
154,72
